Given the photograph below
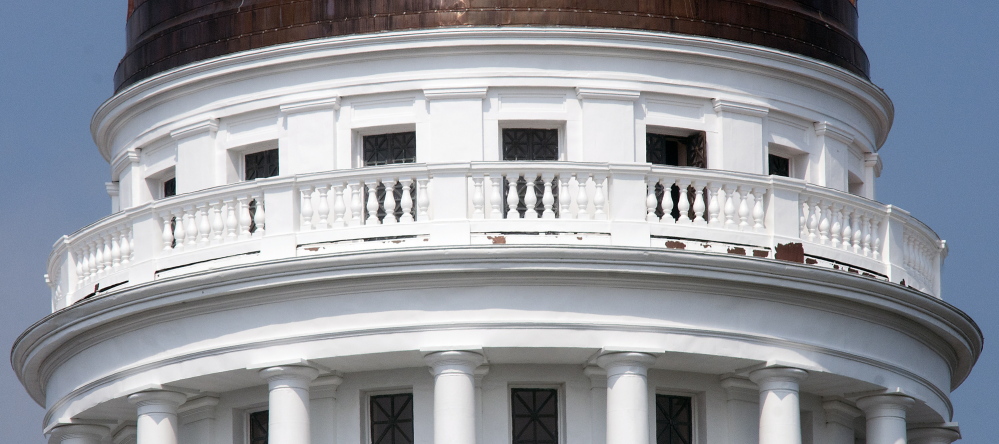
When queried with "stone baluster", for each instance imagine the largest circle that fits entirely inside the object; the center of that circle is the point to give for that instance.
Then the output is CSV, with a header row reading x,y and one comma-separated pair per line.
x,y
99,253
651,202
390,203
564,196
323,208
530,196
176,223
715,199
202,227
759,213
80,260
699,203
422,200
846,239
307,208
96,256
231,220
259,215
166,219
815,213
244,217
356,204
190,226
858,232
825,223
126,245
106,242
495,197
582,198
339,207
478,199
683,201
876,238
730,208
372,204
836,227
218,225
547,197
512,199
406,201
114,238
599,197
803,218
865,223
744,208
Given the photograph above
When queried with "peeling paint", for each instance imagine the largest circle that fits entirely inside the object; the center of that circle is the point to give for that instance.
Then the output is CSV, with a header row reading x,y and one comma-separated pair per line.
x,y
737,250
761,253
854,270
579,237
705,245
811,261
497,240
676,245
312,249
793,252
397,242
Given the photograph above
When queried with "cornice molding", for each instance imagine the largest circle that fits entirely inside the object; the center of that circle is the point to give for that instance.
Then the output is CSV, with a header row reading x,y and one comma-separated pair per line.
x,y
331,103
456,93
607,94
826,129
210,126
722,106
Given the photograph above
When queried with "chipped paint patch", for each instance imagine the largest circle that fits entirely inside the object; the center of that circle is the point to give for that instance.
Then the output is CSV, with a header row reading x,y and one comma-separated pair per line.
x,y
811,261
497,240
676,245
761,253
793,252
737,250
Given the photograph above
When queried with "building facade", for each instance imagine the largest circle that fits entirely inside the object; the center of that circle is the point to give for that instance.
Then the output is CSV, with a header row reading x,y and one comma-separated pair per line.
x,y
499,222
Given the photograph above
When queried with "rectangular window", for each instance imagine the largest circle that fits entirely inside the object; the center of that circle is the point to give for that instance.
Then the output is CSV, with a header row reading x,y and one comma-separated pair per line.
x,y
385,149
258,427
530,144
261,164
535,415
663,149
779,166
674,420
391,419
170,187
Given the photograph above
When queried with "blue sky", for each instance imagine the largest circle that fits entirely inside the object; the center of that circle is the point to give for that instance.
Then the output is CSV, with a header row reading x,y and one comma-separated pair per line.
x,y
936,60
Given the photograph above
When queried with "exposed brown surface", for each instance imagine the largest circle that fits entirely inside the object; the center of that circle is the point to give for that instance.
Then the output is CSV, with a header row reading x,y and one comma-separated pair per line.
x,y
793,252
164,34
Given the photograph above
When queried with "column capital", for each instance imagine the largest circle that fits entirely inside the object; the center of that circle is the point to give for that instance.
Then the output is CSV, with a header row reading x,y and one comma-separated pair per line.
x,y
298,376
887,405
618,363
454,361
65,432
740,389
778,378
942,434
840,412
157,401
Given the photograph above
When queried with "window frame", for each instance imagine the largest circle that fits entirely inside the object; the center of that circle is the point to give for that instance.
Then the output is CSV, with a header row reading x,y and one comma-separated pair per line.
x,y
697,415
361,162
358,134
683,154
560,401
558,125
237,159
365,412
155,182
797,160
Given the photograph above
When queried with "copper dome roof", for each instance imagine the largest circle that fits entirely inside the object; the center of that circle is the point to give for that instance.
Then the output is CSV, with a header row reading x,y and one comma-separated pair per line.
x,y
164,34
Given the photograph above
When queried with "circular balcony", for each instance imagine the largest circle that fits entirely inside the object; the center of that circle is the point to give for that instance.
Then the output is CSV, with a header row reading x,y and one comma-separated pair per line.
x,y
497,203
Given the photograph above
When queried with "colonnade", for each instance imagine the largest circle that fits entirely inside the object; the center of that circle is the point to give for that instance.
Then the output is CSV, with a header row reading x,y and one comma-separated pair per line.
x,y
455,417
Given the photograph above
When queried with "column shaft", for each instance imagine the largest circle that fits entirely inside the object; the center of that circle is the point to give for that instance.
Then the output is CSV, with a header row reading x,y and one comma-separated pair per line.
x,y
885,418
288,403
780,407
627,396
454,396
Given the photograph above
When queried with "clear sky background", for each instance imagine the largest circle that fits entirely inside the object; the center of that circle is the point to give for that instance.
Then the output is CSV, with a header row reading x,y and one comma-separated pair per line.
x,y
938,61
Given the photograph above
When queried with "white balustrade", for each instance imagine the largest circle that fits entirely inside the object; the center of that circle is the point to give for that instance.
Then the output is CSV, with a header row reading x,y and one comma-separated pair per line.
x,y
688,203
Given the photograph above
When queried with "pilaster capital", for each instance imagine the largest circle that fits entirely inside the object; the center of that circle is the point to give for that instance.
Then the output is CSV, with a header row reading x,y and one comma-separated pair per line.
x,y
475,92
934,434
840,412
740,389
289,376
113,188
453,362
778,378
480,373
157,401
325,386
597,375
198,409
626,363
607,94
65,432
887,405
873,160
826,129
723,106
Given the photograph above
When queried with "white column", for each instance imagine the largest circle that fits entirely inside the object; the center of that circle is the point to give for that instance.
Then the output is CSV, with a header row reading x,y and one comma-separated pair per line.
x,y
780,411
157,422
627,396
839,422
454,395
77,434
885,418
934,435
288,403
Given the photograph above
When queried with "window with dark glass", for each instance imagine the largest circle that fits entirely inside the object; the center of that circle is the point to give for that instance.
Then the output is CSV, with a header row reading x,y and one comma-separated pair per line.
x,y
261,164
535,415
662,149
392,419
384,149
258,427
530,144
779,166
674,420
170,187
